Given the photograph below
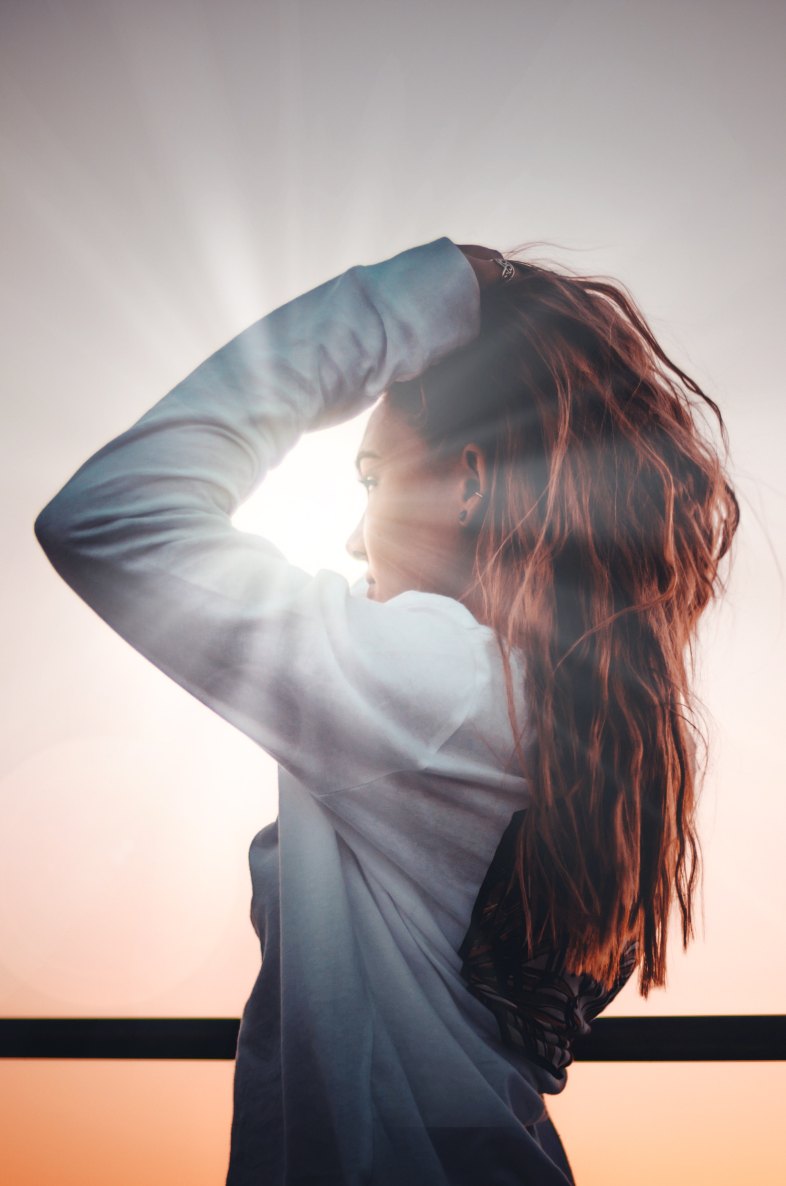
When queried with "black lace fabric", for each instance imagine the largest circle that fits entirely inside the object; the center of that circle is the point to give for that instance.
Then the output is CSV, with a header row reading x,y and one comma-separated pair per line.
x,y
540,1008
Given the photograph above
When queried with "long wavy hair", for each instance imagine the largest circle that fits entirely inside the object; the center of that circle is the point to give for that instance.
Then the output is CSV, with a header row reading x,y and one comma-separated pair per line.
x,y
608,511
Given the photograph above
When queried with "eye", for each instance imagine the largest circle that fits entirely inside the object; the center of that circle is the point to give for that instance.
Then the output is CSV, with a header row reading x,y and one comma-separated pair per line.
x,y
368,482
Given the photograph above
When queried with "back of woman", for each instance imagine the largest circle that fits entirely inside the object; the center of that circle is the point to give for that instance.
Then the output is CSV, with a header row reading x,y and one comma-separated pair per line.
x,y
487,778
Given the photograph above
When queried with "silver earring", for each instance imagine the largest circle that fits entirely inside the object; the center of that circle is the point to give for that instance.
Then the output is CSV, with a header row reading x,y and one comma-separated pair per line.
x,y
508,270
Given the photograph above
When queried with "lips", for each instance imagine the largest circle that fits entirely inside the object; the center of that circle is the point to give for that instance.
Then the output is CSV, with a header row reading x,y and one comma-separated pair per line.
x,y
370,591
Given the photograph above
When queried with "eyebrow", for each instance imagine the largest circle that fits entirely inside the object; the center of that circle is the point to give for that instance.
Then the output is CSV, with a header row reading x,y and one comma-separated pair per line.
x,y
365,453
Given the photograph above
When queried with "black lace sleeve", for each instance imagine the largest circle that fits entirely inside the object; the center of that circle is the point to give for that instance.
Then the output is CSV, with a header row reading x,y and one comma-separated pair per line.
x,y
540,1008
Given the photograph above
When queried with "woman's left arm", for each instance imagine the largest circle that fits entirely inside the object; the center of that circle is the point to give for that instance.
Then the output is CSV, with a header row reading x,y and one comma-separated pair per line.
x,y
142,530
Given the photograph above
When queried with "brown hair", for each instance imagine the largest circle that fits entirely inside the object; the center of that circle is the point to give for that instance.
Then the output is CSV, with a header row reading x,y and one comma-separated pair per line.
x,y
608,511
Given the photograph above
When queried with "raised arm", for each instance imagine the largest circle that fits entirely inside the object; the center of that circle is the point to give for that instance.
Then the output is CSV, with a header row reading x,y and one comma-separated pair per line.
x,y
322,680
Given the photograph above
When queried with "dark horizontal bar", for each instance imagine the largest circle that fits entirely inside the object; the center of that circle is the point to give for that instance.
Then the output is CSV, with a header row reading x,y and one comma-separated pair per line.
x,y
754,1037
731,1038
118,1037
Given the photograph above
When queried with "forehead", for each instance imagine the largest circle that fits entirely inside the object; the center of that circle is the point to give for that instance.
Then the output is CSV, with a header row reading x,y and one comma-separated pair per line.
x,y
389,436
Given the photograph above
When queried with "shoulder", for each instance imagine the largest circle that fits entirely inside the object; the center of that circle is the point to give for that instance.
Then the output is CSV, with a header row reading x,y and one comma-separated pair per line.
x,y
403,674
415,639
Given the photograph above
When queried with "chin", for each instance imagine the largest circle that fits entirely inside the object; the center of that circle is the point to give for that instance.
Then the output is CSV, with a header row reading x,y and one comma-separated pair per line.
x,y
377,594
387,590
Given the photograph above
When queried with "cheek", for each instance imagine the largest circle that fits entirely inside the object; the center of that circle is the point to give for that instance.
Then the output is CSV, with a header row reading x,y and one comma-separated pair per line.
x,y
403,531
384,524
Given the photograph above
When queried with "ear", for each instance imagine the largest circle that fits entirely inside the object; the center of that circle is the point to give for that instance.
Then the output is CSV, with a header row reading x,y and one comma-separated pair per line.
x,y
473,485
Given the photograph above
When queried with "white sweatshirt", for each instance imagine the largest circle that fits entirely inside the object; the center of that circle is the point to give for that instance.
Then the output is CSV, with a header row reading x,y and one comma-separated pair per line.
x,y
362,1057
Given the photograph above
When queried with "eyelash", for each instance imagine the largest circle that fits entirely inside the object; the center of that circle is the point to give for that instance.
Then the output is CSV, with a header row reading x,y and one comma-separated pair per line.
x,y
368,482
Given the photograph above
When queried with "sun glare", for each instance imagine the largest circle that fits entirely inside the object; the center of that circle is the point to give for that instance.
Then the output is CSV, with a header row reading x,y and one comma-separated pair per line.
x,y
310,503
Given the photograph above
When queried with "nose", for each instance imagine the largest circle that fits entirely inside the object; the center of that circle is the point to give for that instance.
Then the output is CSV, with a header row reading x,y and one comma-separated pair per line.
x,y
355,545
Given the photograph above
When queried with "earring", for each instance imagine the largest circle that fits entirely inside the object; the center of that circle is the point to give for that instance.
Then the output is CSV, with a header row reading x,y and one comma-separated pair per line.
x,y
463,514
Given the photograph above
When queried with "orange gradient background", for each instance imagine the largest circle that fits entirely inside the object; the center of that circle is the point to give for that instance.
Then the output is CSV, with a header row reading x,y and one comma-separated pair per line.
x,y
170,174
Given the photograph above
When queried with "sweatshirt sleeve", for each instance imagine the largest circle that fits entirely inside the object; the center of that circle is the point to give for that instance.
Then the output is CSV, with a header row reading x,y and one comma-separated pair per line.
x,y
340,690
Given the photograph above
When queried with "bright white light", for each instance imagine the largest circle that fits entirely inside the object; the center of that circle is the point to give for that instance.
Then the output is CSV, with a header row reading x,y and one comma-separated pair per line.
x,y
310,503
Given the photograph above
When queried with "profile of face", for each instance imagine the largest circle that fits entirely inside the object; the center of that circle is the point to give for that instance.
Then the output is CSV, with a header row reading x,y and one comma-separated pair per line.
x,y
422,511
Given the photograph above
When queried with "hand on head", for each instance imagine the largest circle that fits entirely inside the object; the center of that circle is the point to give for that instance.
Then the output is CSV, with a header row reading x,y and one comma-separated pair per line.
x,y
489,274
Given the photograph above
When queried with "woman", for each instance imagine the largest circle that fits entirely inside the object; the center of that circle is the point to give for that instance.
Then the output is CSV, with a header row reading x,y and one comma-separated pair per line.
x,y
487,785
